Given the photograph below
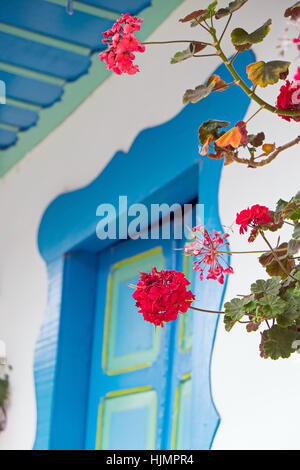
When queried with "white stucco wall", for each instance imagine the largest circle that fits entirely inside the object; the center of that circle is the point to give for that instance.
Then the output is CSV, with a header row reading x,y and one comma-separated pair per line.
x,y
257,399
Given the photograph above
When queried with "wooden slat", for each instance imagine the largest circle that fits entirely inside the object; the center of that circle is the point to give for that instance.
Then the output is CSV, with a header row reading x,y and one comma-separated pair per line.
x,y
131,6
46,59
43,17
18,117
7,138
30,90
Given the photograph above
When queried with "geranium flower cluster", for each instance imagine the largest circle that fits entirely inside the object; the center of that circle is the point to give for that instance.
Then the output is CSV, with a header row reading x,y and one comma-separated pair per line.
x,y
122,42
209,250
161,295
253,217
289,97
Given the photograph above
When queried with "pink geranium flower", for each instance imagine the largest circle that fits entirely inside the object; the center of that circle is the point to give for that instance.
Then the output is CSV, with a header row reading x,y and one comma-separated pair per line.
x,y
122,42
208,250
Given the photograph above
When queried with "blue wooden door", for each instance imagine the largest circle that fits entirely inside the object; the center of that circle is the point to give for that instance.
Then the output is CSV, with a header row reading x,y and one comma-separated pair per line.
x,y
140,384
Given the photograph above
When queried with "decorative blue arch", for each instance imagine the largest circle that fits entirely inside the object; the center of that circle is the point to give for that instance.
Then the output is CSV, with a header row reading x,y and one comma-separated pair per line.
x,y
162,165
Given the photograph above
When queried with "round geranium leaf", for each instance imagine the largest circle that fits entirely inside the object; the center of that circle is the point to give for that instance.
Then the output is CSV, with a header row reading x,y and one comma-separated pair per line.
x,y
267,73
214,83
243,40
232,7
279,342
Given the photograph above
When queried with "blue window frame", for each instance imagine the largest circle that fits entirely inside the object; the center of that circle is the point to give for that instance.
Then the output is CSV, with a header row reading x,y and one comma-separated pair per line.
x,y
70,247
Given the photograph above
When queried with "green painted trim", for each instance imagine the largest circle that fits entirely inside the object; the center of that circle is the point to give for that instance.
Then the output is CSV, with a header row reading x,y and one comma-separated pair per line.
x,y
186,339
31,74
9,127
44,39
114,394
125,391
182,391
76,92
133,259
124,271
22,104
126,400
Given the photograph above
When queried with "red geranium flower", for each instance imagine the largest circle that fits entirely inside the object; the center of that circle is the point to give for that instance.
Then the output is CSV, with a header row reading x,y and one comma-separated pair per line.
x,y
297,41
205,249
289,98
122,42
161,295
253,217
297,74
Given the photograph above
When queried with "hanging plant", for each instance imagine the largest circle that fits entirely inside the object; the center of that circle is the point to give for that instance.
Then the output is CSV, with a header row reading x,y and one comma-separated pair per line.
x,y
4,397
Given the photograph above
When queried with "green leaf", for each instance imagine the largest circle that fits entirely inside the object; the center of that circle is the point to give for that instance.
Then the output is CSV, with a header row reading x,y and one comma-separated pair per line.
x,y
4,389
209,12
297,198
281,204
268,287
293,247
292,308
214,83
278,342
289,210
295,273
235,309
212,7
232,7
211,127
272,305
297,290
296,233
228,323
267,73
243,40
251,306
183,55
274,269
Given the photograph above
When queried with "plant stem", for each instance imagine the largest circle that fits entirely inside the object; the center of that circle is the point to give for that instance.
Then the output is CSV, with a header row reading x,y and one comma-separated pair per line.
x,y
202,26
276,257
253,115
234,57
207,311
289,223
225,29
245,88
246,252
177,42
278,151
250,162
205,55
